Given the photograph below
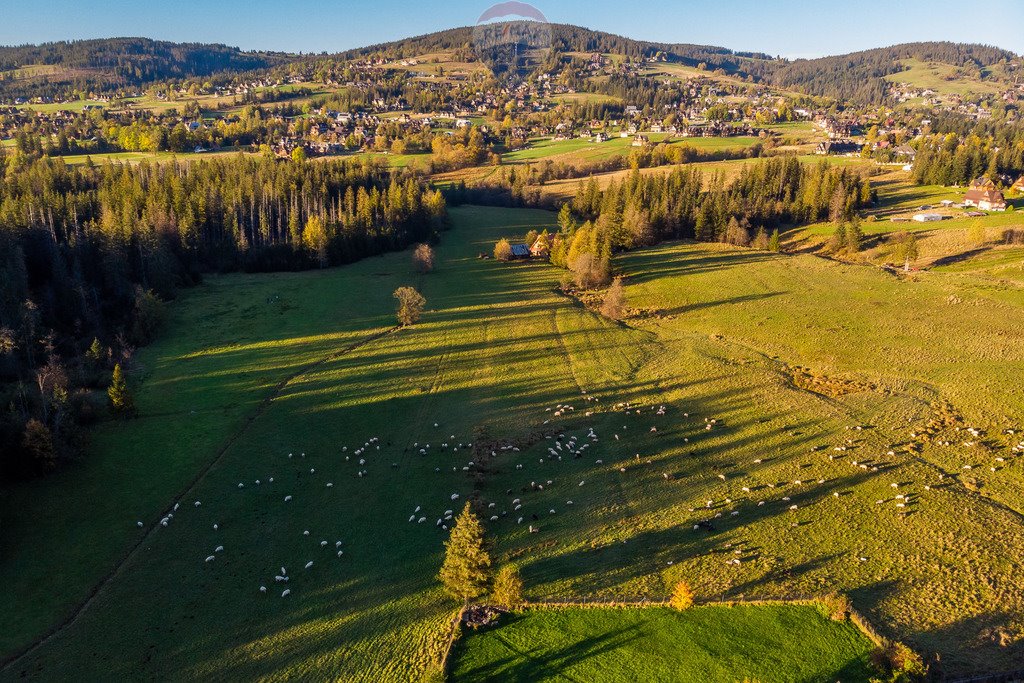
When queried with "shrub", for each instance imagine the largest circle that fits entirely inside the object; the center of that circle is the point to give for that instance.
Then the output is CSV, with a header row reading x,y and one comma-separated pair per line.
x,y
837,606
899,664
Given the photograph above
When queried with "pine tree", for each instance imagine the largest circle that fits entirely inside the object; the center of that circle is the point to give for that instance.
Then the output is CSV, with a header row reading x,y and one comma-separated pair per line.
x,y
120,395
467,564
773,243
508,588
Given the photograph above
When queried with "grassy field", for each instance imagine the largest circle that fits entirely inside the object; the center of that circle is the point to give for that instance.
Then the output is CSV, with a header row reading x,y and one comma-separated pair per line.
x,y
943,79
585,149
701,644
786,353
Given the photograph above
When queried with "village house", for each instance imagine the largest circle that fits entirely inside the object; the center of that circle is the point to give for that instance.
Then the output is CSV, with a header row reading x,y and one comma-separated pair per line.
x,y
985,196
540,248
838,147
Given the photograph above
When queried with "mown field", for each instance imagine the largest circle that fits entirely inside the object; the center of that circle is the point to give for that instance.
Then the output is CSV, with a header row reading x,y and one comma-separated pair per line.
x,y
616,645
286,376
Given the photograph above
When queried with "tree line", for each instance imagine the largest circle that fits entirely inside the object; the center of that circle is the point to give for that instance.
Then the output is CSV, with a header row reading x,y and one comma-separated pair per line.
x,y
642,210
88,254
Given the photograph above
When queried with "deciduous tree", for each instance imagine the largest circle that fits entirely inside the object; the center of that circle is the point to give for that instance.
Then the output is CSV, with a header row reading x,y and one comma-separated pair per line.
x,y
410,305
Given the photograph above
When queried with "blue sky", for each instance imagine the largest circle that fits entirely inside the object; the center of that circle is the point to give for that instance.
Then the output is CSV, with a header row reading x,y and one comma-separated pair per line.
x,y
792,28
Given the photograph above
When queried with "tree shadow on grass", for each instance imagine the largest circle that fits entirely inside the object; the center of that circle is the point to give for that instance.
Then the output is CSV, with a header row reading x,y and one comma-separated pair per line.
x,y
542,664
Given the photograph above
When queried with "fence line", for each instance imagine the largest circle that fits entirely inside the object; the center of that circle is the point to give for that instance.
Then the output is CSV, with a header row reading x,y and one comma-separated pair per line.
x,y
453,636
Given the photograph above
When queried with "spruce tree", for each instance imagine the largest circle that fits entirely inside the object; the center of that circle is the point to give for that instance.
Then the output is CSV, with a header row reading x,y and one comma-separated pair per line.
x,y
467,565
120,396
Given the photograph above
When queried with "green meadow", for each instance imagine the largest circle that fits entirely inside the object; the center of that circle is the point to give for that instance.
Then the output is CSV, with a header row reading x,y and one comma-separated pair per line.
x,y
701,644
794,403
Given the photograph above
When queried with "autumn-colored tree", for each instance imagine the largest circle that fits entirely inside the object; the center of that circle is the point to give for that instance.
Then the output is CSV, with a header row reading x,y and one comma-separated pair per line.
x,y
503,250
508,587
121,401
682,596
315,238
614,301
466,571
423,258
410,305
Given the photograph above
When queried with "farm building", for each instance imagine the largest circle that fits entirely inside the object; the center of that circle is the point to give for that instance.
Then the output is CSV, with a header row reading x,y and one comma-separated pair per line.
x,y
540,248
520,251
928,217
839,147
984,195
1019,185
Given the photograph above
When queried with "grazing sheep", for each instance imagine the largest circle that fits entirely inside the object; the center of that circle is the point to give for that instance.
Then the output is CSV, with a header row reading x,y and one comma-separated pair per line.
x,y
219,549
263,589
286,592
210,558
309,564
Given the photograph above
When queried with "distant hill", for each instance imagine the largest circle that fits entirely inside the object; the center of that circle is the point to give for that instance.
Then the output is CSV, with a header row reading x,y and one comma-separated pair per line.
x,y
55,69
111,63
862,76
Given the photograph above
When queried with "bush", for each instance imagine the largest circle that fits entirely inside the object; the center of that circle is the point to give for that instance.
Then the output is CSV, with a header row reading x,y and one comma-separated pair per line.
x,y
899,664
837,606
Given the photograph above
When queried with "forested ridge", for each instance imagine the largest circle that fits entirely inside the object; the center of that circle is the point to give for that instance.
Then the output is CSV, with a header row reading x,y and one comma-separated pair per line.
x,y
114,63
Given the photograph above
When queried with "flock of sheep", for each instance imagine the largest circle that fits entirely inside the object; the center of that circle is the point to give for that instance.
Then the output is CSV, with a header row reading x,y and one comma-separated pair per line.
x,y
565,446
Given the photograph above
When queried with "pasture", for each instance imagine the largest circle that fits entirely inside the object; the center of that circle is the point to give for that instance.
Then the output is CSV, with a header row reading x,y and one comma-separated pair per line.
x,y
797,405
614,645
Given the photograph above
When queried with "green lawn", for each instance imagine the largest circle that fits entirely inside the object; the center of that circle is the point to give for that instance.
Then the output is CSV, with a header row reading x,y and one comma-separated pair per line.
x,y
658,644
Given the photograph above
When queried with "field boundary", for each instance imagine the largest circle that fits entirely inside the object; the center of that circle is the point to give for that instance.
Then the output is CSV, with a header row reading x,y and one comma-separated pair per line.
x,y
11,660
854,617
453,637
